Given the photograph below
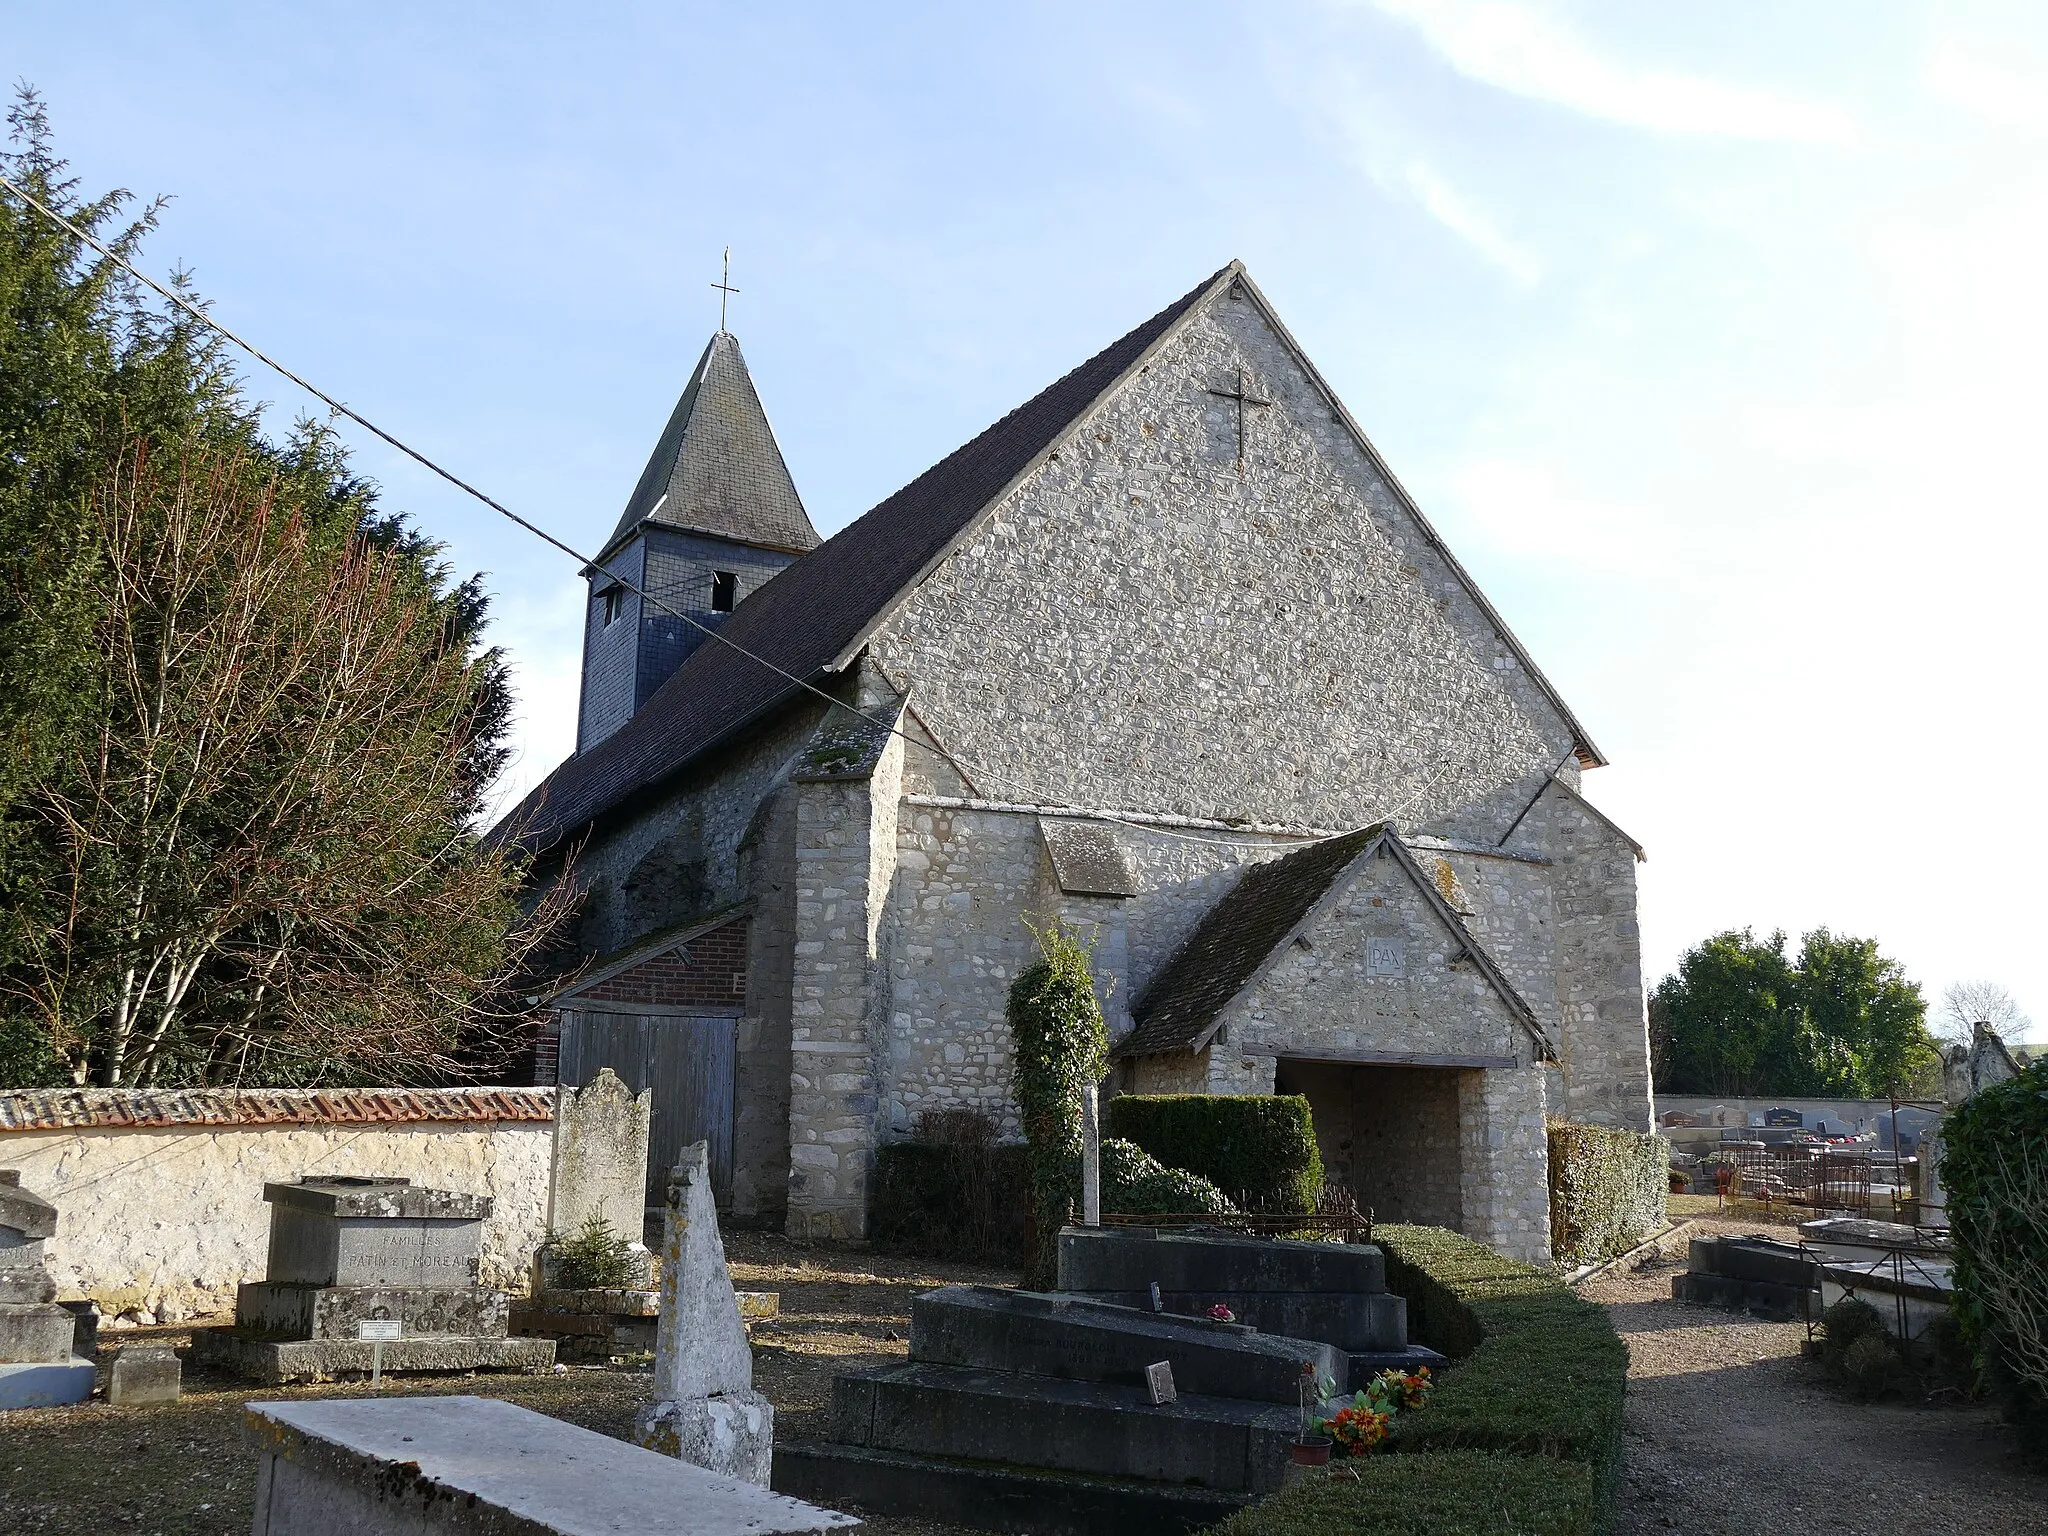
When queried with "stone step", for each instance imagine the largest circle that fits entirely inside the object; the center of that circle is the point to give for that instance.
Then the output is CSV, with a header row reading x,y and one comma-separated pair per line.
x,y
280,1360
1365,1321
1105,1428
1367,1364
1099,1259
295,1311
1076,1339
984,1496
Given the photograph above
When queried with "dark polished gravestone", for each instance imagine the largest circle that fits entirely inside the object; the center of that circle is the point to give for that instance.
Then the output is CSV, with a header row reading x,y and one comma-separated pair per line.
x,y
365,1271
1335,1293
1031,1412
38,1368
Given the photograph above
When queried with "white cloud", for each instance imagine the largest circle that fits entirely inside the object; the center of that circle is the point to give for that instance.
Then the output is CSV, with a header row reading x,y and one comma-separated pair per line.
x,y
1446,204
1964,78
1520,50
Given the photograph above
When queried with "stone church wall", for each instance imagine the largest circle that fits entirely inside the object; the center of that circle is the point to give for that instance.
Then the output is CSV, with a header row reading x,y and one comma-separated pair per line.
x,y
842,958
1604,1036
1141,624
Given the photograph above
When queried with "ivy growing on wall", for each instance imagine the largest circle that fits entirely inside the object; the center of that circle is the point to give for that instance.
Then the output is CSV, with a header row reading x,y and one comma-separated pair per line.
x,y
1061,1045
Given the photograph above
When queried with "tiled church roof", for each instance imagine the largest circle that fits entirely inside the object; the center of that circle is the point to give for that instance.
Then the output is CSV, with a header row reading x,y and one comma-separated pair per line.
x,y
1179,1010
812,613
717,468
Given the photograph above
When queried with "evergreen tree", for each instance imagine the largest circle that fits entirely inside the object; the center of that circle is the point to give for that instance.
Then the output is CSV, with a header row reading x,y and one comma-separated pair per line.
x,y
151,533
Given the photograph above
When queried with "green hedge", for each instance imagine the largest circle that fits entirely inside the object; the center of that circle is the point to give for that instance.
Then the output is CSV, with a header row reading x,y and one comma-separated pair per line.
x,y
1260,1150
942,1201
1608,1190
1523,1435
1994,1167
1437,1493
1135,1183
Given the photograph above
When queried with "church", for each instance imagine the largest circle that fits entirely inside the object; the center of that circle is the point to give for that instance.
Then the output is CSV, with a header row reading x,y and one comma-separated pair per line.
x,y
1167,655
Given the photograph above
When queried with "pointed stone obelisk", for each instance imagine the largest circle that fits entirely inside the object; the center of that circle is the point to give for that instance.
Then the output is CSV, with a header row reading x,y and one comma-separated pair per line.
x,y
705,1409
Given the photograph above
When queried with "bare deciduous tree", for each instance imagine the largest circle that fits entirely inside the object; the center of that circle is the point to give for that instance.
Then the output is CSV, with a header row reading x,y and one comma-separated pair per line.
x,y
1965,1004
265,868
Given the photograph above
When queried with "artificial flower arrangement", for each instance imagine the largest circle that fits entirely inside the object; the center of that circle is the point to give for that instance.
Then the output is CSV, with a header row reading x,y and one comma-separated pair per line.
x,y
1363,1423
1221,1314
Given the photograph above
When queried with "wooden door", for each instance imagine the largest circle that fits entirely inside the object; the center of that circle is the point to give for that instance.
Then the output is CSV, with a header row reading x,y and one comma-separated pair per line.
x,y
687,1059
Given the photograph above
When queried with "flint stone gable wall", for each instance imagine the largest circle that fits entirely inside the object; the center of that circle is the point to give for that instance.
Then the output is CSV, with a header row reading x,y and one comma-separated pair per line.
x,y
1139,625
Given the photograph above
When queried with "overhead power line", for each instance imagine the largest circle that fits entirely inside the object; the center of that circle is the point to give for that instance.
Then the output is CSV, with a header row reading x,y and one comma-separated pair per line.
x,y
970,770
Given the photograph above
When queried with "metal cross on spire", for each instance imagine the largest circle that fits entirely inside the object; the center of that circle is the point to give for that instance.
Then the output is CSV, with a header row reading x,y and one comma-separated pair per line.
x,y
1243,399
725,289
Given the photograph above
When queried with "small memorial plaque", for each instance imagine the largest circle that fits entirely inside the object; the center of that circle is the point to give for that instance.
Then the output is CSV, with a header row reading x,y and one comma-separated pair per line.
x,y
380,1330
1158,1302
1159,1382
1383,958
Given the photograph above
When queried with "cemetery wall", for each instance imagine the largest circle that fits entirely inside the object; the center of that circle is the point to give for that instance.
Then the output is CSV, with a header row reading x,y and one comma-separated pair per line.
x,y
159,1195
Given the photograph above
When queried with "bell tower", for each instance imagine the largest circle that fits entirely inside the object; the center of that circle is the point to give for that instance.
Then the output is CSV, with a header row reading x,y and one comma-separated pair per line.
x,y
714,516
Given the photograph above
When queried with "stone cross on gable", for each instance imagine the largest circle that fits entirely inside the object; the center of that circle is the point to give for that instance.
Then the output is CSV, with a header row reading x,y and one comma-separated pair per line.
x,y
1243,398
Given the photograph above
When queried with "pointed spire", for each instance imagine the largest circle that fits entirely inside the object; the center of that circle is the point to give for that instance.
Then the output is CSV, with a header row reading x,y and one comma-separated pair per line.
x,y
717,468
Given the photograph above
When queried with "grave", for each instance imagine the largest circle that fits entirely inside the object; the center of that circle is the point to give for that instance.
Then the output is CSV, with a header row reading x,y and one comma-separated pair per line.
x,y
1756,1275
37,1366
1036,1412
705,1409
599,1170
365,1271
1334,1293
411,1466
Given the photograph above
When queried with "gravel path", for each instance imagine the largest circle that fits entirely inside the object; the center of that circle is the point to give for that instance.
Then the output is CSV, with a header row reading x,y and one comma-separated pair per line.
x,y
1730,1432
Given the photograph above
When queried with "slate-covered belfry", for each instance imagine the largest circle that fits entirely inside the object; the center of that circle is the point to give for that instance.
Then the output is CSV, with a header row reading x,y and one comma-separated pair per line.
x,y
1166,654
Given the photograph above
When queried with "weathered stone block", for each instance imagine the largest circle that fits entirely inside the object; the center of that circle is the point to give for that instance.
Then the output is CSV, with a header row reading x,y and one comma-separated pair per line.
x,y
417,1466
335,1312
34,1334
731,1433
373,1232
142,1374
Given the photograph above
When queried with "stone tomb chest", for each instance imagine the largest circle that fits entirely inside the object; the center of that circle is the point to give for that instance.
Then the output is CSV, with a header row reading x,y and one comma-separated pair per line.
x,y
373,1232
357,1263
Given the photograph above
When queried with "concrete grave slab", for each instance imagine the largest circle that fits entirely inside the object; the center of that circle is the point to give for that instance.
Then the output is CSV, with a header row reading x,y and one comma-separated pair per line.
x,y
415,1466
276,1361
1077,1339
1132,1258
1090,1427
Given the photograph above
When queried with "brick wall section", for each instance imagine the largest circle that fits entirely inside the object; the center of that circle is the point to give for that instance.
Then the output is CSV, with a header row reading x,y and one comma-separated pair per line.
x,y
711,970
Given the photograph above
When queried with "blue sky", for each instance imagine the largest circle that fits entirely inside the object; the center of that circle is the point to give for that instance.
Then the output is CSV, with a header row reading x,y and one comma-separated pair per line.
x,y
1709,336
